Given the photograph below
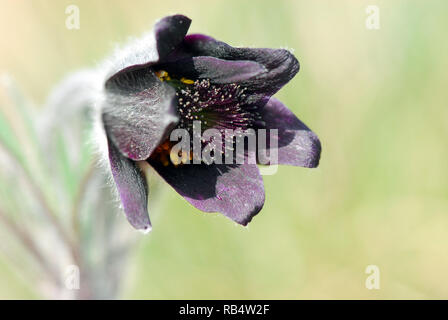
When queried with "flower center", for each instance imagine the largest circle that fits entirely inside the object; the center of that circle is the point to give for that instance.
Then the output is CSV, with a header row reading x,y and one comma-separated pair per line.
x,y
217,106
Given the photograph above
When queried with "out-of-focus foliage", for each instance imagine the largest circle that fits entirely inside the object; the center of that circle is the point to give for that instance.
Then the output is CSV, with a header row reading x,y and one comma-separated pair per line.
x,y
376,98
57,210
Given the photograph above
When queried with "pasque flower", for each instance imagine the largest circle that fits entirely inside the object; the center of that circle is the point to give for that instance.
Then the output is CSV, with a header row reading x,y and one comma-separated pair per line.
x,y
167,80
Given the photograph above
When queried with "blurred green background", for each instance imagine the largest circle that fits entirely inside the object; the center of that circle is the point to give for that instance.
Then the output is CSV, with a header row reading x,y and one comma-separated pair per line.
x,y
376,98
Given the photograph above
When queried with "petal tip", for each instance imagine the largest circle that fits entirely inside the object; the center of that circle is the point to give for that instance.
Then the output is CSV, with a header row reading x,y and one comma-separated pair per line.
x,y
291,61
316,150
169,32
132,188
140,222
247,219
145,229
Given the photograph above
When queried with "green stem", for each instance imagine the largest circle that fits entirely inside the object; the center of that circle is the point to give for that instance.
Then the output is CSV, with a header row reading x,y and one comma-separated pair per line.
x,y
29,244
48,211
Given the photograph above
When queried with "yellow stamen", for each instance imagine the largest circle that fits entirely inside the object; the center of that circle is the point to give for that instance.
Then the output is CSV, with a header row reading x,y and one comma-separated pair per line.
x,y
163,75
186,81
175,159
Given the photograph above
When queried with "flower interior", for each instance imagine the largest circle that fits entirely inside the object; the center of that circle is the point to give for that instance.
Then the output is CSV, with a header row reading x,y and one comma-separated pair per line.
x,y
216,106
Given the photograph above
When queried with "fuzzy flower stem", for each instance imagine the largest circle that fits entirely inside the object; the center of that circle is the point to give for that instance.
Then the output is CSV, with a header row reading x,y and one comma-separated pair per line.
x,y
29,244
80,196
52,217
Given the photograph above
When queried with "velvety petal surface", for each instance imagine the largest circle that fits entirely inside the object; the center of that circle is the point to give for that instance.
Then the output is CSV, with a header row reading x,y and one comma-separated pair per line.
x,y
278,65
297,144
215,69
138,111
236,191
132,188
169,33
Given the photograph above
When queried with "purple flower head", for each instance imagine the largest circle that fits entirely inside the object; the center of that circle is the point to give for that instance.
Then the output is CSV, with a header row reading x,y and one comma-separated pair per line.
x,y
170,81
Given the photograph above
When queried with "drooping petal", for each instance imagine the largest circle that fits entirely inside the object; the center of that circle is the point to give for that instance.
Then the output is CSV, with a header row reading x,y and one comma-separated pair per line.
x,y
236,191
138,111
169,33
297,144
279,65
132,188
151,48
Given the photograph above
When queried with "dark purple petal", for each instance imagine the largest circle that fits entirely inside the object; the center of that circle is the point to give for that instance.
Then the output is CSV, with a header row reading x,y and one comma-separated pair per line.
x,y
236,191
132,188
297,144
138,111
152,48
169,33
279,65
214,69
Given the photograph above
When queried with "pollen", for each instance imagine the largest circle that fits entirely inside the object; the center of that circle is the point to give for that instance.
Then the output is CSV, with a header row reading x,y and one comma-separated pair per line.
x,y
175,160
219,106
163,75
215,105
181,158
186,81
162,153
